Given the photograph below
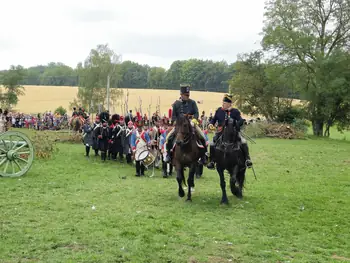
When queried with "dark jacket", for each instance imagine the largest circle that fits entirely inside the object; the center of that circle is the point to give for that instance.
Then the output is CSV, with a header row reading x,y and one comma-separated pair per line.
x,y
185,107
220,114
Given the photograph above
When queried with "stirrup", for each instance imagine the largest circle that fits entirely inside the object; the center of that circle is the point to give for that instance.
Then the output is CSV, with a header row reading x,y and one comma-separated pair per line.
x,y
248,163
211,166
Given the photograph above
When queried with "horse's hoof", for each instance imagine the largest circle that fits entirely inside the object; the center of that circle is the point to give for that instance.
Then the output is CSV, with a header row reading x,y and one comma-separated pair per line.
x,y
181,193
188,200
224,202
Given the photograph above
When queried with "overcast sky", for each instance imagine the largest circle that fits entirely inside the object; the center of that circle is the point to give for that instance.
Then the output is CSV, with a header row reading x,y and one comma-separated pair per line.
x,y
153,32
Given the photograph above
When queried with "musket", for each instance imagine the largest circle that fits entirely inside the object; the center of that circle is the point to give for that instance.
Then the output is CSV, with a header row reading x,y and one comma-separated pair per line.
x,y
140,104
149,114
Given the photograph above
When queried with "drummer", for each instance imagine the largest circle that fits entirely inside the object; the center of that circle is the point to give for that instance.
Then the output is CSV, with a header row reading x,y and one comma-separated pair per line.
x,y
137,135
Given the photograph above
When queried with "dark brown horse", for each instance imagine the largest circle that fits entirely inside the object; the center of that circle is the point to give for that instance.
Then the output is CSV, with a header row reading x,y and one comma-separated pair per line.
x,y
77,124
230,157
186,154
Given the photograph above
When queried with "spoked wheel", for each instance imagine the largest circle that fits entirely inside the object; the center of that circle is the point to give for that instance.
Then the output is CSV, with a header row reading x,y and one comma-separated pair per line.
x,y
16,154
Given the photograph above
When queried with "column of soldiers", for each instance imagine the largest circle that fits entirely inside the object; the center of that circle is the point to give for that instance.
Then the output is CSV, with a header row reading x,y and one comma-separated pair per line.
x,y
116,137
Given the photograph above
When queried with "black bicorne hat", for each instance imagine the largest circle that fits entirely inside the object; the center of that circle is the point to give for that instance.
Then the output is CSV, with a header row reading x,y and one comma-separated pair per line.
x,y
184,88
227,98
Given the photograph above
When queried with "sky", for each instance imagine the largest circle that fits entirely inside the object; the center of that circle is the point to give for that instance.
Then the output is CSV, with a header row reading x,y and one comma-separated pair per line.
x,y
153,32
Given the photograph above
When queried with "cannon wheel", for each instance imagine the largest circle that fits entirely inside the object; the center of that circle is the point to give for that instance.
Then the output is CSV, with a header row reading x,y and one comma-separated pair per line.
x,y
16,154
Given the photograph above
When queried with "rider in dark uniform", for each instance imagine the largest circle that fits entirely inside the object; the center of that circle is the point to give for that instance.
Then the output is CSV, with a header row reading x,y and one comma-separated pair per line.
x,y
219,117
74,112
185,106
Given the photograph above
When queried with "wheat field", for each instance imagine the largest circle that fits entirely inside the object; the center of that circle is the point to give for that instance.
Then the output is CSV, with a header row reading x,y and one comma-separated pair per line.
x,y
46,98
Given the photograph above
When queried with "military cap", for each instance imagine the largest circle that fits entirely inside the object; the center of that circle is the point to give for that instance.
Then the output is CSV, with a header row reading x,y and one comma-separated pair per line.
x,y
227,98
184,88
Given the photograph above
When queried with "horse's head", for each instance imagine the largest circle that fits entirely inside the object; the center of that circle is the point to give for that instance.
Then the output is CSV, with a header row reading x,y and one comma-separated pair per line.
x,y
184,131
231,130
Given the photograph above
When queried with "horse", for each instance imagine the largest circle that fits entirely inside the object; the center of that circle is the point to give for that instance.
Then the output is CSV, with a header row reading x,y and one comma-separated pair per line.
x,y
186,154
76,124
230,157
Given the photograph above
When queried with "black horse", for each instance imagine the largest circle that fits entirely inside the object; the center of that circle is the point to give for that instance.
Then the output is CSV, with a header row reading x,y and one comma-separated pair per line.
x,y
186,154
230,157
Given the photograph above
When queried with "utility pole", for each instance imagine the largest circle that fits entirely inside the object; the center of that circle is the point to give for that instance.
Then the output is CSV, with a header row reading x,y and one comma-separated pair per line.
x,y
108,90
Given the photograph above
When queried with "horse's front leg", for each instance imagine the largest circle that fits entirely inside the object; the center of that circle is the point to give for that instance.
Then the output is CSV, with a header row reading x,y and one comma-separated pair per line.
x,y
180,178
224,199
233,179
190,181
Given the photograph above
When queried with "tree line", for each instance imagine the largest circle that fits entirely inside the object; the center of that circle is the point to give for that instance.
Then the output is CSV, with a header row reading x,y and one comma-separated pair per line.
x,y
203,75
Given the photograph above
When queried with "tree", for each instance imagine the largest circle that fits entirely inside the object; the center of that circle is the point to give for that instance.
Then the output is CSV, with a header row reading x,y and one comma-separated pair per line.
x,y
311,33
12,89
157,77
61,110
261,87
101,63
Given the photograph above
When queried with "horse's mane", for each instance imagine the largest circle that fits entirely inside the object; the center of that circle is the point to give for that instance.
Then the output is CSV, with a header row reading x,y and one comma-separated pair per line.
x,y
181,123
230,129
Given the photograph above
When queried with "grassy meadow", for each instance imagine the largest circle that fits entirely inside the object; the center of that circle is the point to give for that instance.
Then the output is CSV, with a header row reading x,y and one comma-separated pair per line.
x,y
297,211
45,98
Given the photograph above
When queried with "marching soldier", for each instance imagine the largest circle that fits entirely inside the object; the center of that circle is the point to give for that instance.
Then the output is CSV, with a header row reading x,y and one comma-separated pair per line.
x,y
112,142
164,132
137,135
188,107
102,132
219,117
126,142
97,123
74,112
87,137
104,116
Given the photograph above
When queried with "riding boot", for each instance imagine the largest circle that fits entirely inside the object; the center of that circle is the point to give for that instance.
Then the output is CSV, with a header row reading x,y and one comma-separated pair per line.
x,y
169,147
245,150
211,165
204,157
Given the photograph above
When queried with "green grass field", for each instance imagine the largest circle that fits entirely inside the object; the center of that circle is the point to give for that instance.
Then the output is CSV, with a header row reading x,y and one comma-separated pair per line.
x,y
297,211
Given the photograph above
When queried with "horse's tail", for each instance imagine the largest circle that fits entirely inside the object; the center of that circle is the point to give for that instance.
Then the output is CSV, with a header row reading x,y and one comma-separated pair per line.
x,y
77,124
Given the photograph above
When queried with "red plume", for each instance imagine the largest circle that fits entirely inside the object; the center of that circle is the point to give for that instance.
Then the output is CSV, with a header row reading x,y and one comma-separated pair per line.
x,y
138,116
170,113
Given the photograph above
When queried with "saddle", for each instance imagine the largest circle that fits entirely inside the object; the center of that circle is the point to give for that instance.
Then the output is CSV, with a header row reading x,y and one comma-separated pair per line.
x,y
226,147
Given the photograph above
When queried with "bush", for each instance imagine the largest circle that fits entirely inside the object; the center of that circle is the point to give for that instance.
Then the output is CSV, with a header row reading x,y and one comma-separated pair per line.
x,y
291,114
45,144
301,125
61,110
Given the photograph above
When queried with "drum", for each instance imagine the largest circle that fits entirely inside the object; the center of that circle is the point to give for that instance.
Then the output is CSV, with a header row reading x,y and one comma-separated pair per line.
x,y
147,158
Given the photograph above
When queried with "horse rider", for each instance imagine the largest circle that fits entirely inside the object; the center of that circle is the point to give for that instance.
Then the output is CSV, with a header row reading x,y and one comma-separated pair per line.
x,y
185,107
220,117
74,112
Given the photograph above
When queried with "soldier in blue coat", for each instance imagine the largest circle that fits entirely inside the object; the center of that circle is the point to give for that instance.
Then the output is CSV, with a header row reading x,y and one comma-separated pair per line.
x,y
219,117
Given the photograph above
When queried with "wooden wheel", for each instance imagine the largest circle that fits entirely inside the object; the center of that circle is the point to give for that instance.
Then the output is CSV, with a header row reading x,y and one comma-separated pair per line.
x,y
16,154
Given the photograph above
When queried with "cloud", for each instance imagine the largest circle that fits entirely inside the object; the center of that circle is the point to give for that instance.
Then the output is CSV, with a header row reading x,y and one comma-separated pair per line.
x,y
161,31
179,46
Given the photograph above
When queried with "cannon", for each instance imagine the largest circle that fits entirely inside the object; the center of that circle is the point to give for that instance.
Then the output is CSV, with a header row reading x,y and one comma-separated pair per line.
x,y
16,152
